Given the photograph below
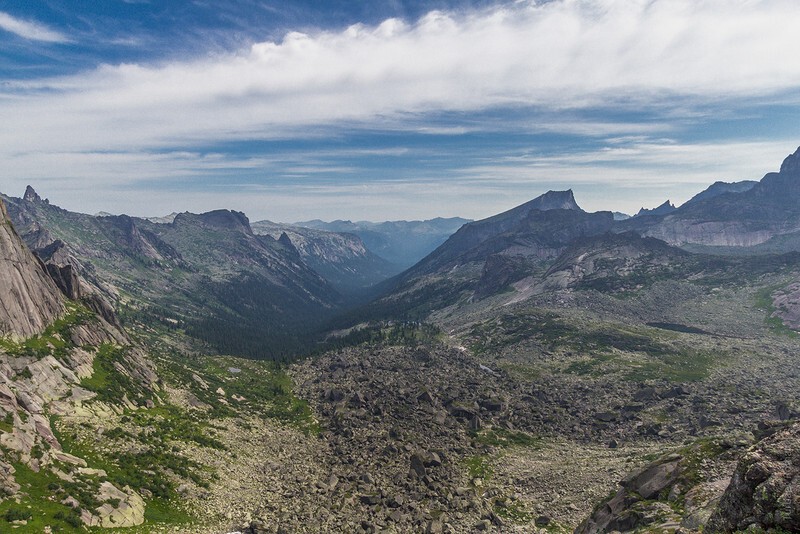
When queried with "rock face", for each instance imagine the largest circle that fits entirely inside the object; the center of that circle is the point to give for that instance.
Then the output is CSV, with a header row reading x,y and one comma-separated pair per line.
x,y
765,490
623,512
677,492
43,365
29,300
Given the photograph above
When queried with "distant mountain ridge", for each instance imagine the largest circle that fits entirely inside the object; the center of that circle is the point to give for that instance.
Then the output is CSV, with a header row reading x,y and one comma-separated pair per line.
x,y
663,209
489,256
539,228
731,215
401,243
720,188
341,258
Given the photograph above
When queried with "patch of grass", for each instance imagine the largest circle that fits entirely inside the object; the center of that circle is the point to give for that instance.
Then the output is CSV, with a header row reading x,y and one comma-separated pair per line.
x,y
512,511
521,371
683,366
478,467
678,366
591,365
110,384
7,423
555,332
158,511
40,505
262,388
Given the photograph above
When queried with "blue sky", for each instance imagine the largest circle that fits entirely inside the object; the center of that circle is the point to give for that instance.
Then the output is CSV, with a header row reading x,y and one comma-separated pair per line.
x,y
391,110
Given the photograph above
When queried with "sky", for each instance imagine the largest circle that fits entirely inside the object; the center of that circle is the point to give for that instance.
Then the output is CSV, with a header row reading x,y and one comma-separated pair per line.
x,y
384,110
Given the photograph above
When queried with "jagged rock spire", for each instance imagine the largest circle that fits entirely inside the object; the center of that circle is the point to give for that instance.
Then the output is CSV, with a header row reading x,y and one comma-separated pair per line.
x,y
31,195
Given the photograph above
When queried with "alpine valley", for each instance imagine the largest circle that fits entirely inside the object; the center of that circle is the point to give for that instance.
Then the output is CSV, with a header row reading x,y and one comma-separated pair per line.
x,y
542,370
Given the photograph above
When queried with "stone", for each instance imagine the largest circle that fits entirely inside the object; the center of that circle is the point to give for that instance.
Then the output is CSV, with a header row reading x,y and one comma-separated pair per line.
x,y
434,527
417,463
605,417
370,500
475,423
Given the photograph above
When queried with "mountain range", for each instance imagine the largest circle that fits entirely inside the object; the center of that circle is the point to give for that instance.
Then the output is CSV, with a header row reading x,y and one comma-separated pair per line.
x,y
545,368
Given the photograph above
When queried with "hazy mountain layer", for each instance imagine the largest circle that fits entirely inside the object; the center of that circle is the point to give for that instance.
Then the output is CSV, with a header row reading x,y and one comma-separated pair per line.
x,y
401,243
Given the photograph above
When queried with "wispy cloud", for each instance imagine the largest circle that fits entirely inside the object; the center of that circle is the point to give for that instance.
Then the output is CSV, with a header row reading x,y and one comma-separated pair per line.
x,y
542,62
567,53
30,29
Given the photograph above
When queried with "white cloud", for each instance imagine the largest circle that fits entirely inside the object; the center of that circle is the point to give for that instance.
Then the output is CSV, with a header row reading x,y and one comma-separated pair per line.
x,y
30,30
556,54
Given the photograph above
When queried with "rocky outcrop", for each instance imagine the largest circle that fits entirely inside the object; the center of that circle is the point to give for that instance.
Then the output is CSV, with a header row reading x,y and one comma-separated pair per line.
x,y
624,512
29,300
31,195
677,492
118,509
764,493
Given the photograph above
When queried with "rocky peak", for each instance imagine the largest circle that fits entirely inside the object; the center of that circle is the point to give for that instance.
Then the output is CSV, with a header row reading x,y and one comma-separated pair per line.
x,y
791,165
663,209
31,195
285,240
784,186
227,219
555,200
